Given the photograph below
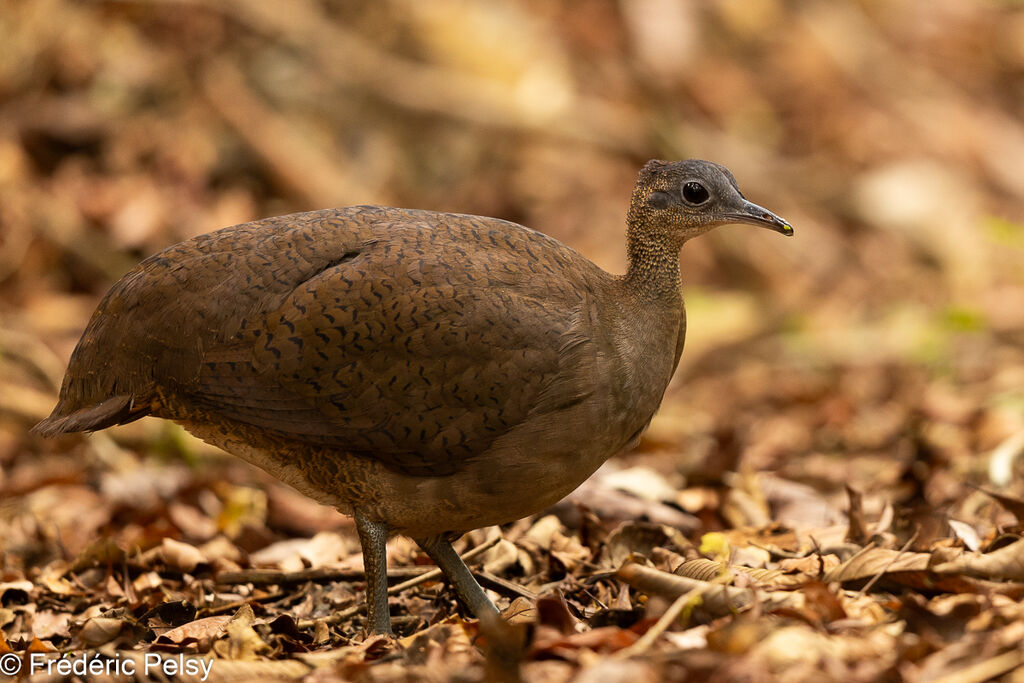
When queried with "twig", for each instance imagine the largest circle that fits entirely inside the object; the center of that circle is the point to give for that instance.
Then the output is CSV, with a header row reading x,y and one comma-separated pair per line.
x,y
425,577
987,670
883,570
667,619
335,618
264,577
860,552
236,604
719,599
501,585
434,574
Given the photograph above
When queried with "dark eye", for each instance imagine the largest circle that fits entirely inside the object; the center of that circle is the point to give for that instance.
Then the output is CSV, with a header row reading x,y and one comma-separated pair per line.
x,y
695,193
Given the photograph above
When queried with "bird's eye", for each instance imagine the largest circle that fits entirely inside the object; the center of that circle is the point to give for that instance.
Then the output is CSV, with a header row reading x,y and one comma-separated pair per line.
x,y
695,193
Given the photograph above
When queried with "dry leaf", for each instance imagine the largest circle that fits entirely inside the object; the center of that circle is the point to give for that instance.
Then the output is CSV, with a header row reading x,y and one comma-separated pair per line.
x,y
177,555
635,537
200,629
500,557
100,630
1007,563
875,561
46,624
146,582
243,642
715,598
966,533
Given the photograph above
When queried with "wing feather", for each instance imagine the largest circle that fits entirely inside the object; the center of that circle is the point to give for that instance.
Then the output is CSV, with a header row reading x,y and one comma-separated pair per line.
x,y
402,352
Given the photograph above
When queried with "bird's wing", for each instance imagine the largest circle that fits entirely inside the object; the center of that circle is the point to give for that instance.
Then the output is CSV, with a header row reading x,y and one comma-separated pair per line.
x,y
418,348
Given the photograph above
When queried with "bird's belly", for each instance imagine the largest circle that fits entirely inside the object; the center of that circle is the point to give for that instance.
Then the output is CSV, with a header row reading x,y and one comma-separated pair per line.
x,y
523,473
517,477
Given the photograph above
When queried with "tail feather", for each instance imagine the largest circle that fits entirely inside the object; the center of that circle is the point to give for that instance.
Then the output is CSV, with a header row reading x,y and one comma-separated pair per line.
x,y
115,410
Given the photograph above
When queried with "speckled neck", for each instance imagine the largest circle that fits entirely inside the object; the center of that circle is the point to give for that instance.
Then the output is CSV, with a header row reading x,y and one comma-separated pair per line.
x,y
653,252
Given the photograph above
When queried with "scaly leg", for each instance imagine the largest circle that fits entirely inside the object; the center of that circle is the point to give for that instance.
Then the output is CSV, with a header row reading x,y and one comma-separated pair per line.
x,y
373,536
469,591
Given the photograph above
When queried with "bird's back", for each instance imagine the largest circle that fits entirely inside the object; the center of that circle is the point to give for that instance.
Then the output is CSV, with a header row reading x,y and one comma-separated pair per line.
x,y
414,337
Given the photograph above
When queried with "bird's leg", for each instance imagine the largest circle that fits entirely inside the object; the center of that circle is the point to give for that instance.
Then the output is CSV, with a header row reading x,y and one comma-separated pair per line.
x,y
373,537
445,557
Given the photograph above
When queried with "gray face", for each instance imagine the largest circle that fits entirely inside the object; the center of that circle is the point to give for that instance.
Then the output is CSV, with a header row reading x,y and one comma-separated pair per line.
x,y
700,195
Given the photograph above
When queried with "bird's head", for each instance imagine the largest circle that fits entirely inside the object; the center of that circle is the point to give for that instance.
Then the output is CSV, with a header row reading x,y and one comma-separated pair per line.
x,y
690,197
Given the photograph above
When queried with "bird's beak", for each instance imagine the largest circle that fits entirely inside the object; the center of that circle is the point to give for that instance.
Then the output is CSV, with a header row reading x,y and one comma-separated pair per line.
x,y
758,215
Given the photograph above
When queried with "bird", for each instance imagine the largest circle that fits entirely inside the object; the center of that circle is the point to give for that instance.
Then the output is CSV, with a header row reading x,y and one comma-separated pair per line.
x,y
426,373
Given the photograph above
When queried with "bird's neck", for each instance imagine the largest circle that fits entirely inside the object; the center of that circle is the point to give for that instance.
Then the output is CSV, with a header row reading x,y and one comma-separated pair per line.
x,y
653,271
649,323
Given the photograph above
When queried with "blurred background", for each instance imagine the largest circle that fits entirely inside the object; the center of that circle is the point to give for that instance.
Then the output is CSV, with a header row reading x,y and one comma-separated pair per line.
x,y
883,346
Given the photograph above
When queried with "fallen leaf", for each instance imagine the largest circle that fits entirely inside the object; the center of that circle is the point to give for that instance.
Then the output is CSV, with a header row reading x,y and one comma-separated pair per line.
x,y
716,599
15,592
966,533
635,537
200,629
1006,563
502,556
242,642
174,555
146,582
100,630
521,611
47,624
875,561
